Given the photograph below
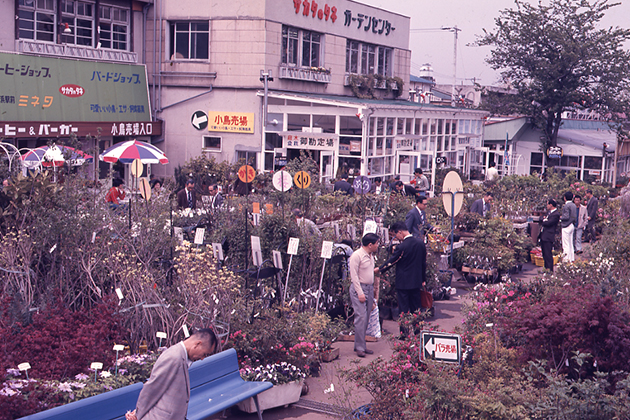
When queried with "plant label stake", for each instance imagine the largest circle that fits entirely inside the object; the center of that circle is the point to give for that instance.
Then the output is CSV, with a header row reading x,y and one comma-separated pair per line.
x,y
217,249
160,335
185,329
291,250
119,293
256,251
24,367
96,366
327,247
199,234
117,348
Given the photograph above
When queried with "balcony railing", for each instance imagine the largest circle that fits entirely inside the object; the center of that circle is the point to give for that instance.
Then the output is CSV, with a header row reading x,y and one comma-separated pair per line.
x,y
27,46
382,84
306,74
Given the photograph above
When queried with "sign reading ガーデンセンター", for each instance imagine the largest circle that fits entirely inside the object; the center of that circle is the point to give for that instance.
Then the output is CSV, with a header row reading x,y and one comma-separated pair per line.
x,y
239,122
47,89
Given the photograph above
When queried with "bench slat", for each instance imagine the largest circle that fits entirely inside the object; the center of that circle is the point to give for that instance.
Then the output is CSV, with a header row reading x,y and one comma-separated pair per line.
x,y
212,368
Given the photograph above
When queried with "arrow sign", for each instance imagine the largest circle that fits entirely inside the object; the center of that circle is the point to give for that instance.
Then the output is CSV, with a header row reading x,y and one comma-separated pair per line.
x,y
199,120
441,347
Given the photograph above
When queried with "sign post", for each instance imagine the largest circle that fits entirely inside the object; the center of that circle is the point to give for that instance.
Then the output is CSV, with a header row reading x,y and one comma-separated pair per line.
x,y
291,250
441,347
117,348
327,247
362,186
453,198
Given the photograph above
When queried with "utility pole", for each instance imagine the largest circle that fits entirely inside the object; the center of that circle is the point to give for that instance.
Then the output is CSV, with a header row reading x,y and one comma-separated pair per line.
x,y
265,77
455,31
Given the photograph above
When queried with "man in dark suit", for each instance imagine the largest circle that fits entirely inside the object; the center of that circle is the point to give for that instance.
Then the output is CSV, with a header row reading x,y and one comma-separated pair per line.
x,y
404,189
410,258
165,395
591,215
416,219
548,232
482,205
377,186
216,199
343,185
187,198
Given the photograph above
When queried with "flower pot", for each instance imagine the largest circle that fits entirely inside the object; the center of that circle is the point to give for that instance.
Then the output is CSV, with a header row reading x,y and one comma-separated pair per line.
x,y
277,396
330,355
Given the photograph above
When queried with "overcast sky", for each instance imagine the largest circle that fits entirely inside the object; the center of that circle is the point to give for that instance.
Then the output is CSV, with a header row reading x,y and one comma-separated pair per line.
x,y
436,46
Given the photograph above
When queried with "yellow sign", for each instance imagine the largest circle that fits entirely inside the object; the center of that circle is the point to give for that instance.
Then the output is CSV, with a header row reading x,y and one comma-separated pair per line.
x,y
145,189
246,174
136,168
302,179
234,122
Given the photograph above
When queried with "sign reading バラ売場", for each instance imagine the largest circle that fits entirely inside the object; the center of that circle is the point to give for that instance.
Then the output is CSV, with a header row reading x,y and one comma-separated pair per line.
x,y
55,89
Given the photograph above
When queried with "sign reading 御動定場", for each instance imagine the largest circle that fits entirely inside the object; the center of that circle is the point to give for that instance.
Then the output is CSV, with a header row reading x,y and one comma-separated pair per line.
x,y
55,89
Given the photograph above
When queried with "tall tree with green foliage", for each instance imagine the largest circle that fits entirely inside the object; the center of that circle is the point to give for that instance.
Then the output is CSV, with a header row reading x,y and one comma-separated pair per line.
x,y
558,58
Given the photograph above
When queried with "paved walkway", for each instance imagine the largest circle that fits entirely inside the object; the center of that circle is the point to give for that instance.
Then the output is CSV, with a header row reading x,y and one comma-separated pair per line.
x,y
318,404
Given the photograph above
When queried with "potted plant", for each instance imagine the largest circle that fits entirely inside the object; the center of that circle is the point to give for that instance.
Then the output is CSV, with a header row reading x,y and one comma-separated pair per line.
x,y
287,380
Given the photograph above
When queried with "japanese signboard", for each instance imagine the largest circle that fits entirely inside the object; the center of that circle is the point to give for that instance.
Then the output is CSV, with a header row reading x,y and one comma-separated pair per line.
x,y
233,122
36,88
441,347
404,144
81,129
309,141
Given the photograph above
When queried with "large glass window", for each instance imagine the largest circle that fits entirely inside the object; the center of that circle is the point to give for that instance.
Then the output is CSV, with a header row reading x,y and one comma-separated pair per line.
x,y
79,16
113,27
37,19
364,58
300,47
190,40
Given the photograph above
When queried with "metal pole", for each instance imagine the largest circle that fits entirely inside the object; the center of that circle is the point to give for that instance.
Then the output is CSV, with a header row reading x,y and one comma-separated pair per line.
x,y
286,285
321,280
452,222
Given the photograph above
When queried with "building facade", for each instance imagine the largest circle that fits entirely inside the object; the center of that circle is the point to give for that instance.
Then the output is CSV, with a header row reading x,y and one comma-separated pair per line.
x,y
73,68
317,60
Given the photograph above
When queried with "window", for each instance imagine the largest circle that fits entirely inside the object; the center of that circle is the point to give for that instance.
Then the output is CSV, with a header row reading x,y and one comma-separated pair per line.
x,y
113,27
300,47
211,144
368,59
79,16
248,158
190,40
37,19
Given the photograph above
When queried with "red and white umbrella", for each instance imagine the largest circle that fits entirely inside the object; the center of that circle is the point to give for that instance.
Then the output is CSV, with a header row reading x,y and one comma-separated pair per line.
x,y
55,156
128,151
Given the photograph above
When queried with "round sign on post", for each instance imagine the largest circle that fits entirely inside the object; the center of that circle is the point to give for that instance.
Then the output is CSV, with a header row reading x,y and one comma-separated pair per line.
x,y
199,120
452,184
362,184
246,174
136,168
145,189
282,181
302,179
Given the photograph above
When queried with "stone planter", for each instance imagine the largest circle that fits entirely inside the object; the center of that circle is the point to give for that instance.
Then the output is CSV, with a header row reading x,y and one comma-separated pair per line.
x,y
330,355
278,396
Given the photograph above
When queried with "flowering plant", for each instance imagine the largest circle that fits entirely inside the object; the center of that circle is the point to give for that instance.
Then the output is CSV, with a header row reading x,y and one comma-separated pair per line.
x,y
277,373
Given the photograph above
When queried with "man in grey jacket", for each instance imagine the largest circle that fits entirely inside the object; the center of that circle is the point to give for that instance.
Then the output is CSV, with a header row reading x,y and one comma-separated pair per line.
x,y
567,221
165,395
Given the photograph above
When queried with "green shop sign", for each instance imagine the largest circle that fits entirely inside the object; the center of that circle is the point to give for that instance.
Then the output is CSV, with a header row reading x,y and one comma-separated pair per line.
x,y
49,89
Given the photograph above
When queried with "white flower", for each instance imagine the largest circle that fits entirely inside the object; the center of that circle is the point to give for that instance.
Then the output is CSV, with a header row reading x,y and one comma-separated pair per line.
x,y
105,374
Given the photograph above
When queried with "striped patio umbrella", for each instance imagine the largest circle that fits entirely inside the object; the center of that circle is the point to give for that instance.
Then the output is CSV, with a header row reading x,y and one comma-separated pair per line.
x,y
51,156
128,151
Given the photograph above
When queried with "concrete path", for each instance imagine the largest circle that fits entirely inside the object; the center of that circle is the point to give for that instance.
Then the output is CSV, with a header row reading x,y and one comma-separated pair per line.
x,y
318,404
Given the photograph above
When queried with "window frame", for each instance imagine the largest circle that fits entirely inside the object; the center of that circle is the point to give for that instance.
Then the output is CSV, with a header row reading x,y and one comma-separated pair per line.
x,y
81,24
211,149
364,58
294,46
37,10
114,44
173,31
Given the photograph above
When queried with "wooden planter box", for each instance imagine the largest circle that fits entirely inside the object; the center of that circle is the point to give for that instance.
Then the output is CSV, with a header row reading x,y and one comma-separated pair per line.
x,y
350,337
330,355
478,271
277,396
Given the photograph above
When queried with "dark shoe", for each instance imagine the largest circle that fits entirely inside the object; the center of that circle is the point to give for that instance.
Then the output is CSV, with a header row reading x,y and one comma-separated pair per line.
x,y
368,351
361,353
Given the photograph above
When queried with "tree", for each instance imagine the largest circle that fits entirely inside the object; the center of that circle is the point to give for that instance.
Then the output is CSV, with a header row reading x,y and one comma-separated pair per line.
x,y
558,59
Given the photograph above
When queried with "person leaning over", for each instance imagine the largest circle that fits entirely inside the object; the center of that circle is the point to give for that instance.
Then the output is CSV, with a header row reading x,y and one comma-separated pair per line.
x,y
363,289
410,259
166,394
548,233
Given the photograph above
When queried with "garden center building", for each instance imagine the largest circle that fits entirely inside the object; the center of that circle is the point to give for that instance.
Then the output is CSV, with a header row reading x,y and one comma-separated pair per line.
x,y
317,58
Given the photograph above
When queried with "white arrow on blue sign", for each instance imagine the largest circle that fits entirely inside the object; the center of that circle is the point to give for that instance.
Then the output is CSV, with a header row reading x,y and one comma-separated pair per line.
x,y
361,184
441,347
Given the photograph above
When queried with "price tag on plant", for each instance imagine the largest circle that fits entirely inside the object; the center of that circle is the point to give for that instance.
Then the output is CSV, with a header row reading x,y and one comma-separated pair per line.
x,y
119,293
217,249
293,246
337,230
256,218
277,259
327,247
352,231
96,366
199,234
185,330
118,347
24,366
161,334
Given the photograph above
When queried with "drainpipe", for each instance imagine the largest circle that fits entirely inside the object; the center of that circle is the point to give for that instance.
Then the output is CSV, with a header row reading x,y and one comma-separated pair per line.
x,y
154,57
365,139
145,10
159,98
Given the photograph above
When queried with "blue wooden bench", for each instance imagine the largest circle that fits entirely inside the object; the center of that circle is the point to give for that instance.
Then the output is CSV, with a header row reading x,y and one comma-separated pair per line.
x,y
215,385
